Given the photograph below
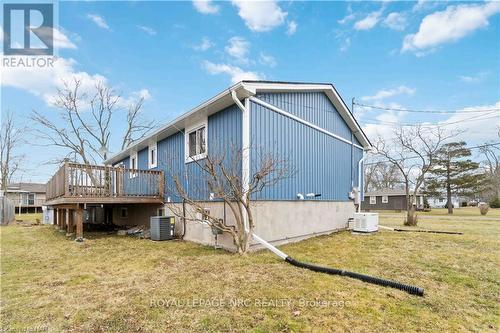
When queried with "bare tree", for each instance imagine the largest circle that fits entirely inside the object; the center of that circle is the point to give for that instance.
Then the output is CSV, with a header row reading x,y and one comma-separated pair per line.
x,y
83,135
491,165
222,176
412,152
11,137
137,128
381,175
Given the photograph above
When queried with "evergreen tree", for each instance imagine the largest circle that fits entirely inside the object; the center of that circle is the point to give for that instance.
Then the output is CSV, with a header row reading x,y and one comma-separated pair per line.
x,y
453,173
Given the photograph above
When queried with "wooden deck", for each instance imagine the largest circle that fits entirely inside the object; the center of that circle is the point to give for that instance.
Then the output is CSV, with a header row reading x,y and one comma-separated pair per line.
x,y
81,183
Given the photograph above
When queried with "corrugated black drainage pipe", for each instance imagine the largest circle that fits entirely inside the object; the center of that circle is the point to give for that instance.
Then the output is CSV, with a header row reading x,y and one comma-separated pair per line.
x,y
334,271
366,278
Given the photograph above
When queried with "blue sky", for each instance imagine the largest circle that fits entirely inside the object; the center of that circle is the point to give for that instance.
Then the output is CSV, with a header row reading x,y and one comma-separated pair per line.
x,y
425,55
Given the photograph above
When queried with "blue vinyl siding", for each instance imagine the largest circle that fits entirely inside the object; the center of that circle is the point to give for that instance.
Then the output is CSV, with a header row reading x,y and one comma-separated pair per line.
x,y
314,107
223,136
322,164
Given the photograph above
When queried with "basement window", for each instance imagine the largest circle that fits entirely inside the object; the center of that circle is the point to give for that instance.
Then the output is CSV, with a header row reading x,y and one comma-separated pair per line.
x,y
385,199
196,143
152,156
124,213
373,200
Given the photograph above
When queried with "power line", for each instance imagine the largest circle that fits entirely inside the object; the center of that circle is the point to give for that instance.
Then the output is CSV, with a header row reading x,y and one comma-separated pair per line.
x,y
424,111
475,118
412,157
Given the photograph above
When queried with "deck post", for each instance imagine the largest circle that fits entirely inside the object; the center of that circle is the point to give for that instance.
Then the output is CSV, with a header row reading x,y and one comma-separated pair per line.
x,y
79,224
58,218
61,213
54,220
69,222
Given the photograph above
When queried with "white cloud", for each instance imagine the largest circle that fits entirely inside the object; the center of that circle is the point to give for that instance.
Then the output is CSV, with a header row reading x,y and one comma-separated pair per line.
x,y
292,28
267,60
205,44
98,20
473,78
396,21
131,100
260,16
238,48
474,128
383,94
369,21
206,6
60,40
236,73
348,18
150,31
450,25
345,44
44,81
424,4
477,127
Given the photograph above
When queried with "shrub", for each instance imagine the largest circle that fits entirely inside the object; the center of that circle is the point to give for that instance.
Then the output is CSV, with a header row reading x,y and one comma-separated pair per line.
x,y
464,204
495,203
484,208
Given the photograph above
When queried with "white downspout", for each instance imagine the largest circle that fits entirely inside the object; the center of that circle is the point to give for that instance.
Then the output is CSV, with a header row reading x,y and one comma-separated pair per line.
x,y
245,150
359,181
246,169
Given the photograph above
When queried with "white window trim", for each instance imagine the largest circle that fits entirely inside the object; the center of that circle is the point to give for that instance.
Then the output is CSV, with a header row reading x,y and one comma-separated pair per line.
x,y
187,131
153,147
131,173
373,202
385,199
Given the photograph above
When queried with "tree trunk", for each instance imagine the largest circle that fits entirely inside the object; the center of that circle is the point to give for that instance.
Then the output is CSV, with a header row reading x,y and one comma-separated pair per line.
x,y
411,216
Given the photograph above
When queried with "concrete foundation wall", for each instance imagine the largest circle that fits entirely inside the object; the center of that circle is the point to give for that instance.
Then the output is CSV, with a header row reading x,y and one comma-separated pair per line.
x,y
278,222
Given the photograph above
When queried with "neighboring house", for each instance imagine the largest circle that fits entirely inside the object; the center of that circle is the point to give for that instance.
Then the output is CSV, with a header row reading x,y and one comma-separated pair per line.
x,y
440,202
26,197
309,124
389,199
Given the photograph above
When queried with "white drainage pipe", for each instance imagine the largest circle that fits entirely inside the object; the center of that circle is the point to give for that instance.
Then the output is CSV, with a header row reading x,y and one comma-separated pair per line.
x,y
271,248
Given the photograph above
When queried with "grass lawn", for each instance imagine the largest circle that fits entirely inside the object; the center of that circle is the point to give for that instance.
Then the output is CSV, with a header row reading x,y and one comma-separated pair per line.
x,y
121,284
28,217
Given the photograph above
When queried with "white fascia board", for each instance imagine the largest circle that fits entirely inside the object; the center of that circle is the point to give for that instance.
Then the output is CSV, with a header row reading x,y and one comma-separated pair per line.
x,y
328,89
302,121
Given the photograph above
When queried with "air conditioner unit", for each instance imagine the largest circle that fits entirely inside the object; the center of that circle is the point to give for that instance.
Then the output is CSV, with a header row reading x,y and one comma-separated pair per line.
x,y
162,227
365,222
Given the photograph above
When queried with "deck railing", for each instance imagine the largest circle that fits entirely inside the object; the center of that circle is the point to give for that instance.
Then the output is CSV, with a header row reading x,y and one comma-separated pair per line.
x,y
74,180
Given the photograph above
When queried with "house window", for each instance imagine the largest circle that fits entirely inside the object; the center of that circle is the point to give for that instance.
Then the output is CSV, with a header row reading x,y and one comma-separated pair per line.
x,y
373,200
28,199
133,165
385,199
196,142
124,213
152,156
161,212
